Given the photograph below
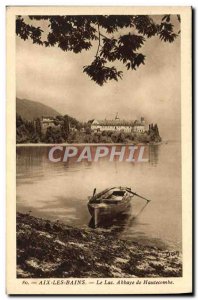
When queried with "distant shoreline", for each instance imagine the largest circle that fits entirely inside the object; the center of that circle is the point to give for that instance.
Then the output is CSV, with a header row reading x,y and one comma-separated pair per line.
x,y
47,249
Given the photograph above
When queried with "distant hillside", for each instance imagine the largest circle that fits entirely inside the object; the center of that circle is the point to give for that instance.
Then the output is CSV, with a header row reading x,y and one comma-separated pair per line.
x,y
30,110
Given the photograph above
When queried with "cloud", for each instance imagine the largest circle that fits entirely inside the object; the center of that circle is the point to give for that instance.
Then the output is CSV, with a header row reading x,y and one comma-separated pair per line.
x,y
56,78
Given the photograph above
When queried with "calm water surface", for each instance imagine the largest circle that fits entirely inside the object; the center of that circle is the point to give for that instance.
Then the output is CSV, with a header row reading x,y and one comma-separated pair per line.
x,y
59,191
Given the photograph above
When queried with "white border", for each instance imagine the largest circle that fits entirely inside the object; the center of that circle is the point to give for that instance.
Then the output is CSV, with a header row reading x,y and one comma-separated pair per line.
x,y
2,102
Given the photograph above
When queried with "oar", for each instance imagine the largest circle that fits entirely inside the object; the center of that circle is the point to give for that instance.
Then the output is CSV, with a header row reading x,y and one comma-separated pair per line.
x,y
138,195
94,192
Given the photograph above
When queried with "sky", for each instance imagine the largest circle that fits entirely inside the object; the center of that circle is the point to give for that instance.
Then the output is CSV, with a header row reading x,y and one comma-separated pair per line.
x,y
56,78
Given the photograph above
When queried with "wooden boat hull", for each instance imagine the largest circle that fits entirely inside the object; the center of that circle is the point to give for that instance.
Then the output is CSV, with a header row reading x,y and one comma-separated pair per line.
x,y
102,213
109,209
111,202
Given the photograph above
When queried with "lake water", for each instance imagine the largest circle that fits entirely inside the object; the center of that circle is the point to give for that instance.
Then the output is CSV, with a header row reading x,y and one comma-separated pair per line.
x,y
59,191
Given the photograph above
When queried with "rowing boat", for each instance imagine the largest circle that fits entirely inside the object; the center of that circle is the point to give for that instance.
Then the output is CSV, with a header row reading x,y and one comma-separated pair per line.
x,y
110,202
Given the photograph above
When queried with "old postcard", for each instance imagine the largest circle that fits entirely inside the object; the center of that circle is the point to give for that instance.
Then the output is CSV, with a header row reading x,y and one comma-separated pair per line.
x,y
99,139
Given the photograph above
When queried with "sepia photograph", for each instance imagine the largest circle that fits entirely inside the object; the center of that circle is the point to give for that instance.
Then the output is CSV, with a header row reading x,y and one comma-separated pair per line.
x,y
97,114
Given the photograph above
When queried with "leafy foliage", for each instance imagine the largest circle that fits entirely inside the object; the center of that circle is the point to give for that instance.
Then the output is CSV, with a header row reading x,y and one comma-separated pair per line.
x,y
70,130
100,73
77,33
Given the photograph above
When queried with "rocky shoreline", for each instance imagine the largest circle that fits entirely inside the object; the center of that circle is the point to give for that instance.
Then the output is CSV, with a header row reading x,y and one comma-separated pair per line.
x,y
47,249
